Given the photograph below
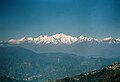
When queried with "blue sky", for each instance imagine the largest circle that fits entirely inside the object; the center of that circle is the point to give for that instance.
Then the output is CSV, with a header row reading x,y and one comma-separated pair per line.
x,y
95,18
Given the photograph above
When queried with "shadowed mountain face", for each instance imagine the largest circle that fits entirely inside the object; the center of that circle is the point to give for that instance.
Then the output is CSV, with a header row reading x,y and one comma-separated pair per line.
x,y
107,74
23,64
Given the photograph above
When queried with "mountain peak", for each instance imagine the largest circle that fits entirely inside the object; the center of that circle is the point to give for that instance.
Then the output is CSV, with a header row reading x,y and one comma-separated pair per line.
x,y
108,38
59,34
66,39
111,40
61,38
18,41
83,37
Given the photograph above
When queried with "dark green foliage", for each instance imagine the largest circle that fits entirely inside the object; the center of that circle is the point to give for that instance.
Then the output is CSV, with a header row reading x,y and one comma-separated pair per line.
x,y
104,75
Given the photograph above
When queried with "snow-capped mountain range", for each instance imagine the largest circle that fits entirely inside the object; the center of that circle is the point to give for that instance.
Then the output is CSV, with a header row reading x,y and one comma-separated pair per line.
x,y
82,46
63,39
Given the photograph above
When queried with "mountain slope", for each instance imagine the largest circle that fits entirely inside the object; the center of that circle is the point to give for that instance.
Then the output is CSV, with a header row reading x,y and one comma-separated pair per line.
x,y
23,64
20,63
107,74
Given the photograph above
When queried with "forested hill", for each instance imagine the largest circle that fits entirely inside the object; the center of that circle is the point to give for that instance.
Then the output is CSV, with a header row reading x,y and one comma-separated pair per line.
x,y
107,74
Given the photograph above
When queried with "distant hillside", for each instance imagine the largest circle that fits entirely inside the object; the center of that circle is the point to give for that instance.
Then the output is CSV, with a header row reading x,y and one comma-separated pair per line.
x,y
8,79
107,74
23,64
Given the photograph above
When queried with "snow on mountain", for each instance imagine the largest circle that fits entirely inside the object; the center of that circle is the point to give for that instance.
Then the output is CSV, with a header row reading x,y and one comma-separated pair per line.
x,y
118,39
66,39
18,41
44,39
110,40
87,39
82,38
62,39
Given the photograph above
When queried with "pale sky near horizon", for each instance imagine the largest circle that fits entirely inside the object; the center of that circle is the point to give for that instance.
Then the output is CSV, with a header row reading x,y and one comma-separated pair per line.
x,y
94,18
